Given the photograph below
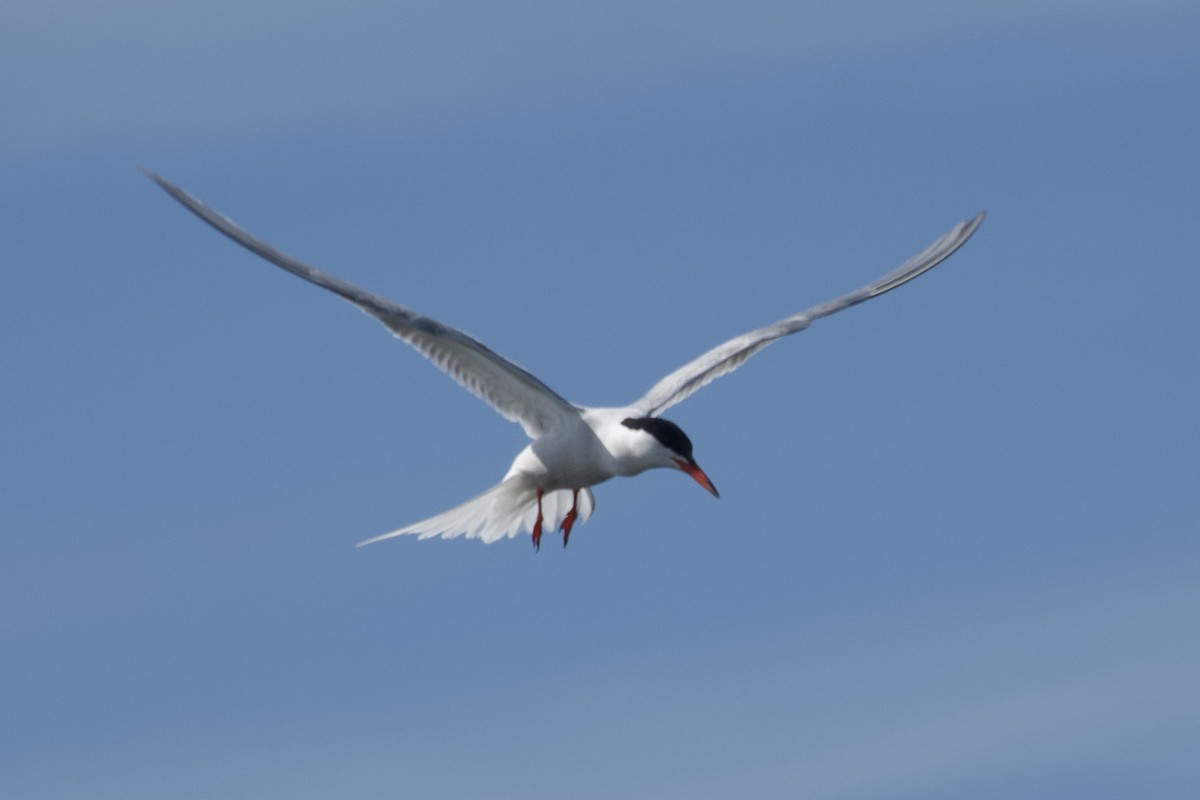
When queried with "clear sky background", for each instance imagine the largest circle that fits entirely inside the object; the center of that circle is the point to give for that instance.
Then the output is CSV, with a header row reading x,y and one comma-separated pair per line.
x,y
956,553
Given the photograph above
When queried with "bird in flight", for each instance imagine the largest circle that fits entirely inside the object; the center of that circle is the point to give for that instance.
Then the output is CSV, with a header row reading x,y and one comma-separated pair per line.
x,y
574,447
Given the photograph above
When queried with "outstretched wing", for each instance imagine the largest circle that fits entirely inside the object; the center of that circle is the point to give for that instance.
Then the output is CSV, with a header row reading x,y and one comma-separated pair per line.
x,y
727,357
518,395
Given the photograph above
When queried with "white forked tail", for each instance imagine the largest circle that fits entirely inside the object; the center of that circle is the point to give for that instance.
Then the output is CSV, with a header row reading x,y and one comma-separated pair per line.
x,y
505,510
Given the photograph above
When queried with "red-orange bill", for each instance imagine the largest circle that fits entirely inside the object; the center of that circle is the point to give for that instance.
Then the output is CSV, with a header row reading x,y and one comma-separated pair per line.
x,y
697,475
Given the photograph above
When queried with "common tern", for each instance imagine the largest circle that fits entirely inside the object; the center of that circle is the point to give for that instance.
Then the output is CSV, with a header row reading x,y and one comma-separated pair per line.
x,y
574,447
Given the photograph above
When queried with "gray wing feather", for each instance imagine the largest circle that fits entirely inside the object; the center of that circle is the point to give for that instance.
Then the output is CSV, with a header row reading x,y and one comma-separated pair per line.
x,y
515,393
727,357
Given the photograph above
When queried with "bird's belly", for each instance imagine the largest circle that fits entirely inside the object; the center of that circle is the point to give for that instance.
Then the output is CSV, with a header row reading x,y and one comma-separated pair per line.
x,y
571,461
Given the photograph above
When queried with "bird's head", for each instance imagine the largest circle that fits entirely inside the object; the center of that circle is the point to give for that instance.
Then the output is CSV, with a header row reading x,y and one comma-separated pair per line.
x,y
670,447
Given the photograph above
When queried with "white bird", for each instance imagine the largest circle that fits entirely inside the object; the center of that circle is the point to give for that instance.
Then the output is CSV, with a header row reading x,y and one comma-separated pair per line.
x,y
574,447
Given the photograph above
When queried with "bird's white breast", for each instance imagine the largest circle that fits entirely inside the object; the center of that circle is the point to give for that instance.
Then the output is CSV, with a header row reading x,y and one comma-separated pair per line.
x,y
591,452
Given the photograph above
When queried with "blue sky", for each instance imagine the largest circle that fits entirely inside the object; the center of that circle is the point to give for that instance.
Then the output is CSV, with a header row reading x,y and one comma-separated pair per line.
x,y
955,554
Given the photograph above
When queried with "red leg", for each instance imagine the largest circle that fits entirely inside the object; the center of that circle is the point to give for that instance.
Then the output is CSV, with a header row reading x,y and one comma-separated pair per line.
x,y
537,525
569,519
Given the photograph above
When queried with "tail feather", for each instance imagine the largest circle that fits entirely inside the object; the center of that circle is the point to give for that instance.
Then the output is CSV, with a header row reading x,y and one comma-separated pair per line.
x,y
504,511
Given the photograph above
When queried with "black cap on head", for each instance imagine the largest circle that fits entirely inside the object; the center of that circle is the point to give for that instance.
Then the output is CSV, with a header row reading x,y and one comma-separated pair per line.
x,y
668,433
